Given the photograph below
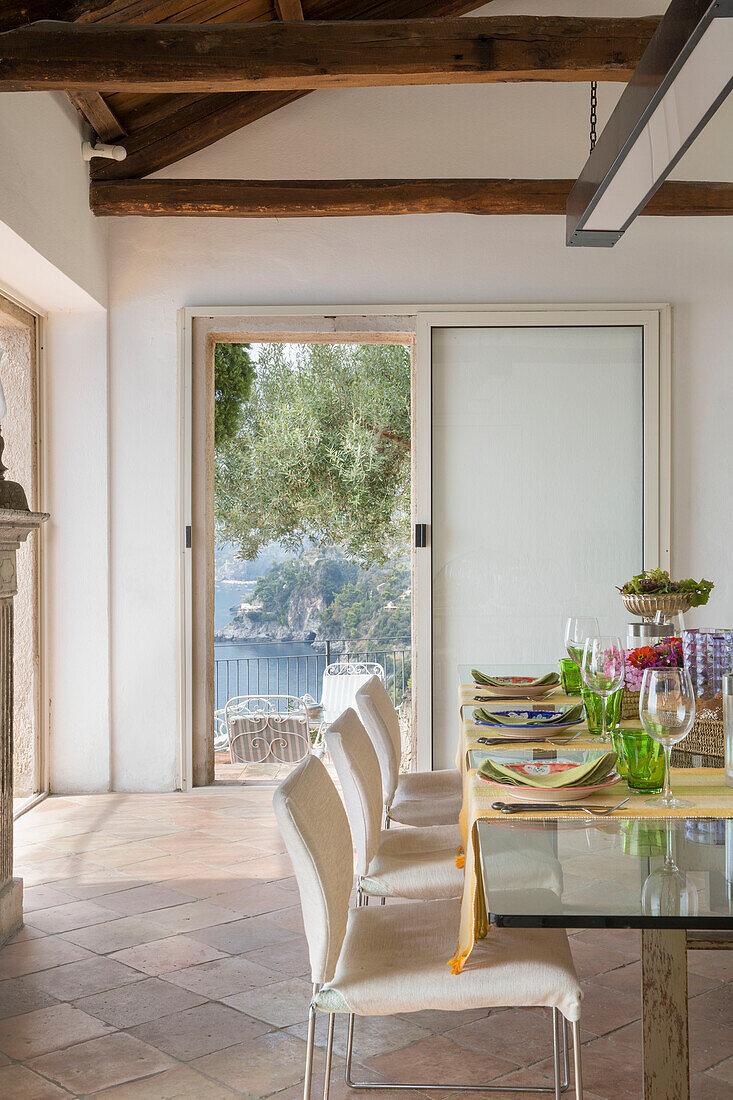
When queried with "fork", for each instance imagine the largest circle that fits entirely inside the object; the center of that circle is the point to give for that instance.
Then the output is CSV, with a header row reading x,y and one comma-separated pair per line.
x,y
517,807
526,740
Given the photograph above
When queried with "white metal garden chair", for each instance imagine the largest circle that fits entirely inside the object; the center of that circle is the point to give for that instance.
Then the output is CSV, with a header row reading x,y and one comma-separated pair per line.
x,y
221,737
341,681
267,729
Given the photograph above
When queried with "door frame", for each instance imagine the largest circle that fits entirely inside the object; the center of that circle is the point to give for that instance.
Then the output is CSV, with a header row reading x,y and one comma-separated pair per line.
x,y
261,324
656,322
272,322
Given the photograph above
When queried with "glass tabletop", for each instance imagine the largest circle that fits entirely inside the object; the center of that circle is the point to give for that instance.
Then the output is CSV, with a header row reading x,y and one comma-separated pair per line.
x,y
615,873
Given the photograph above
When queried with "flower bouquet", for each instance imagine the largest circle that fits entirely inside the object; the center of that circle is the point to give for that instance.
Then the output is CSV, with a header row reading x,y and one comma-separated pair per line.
x,y
666,654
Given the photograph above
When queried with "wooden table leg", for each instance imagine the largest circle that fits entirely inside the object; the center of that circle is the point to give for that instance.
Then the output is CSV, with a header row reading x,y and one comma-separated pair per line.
x,y
664,995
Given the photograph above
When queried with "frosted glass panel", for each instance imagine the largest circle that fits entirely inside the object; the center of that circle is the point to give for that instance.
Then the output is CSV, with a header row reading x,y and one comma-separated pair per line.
x,y
537,494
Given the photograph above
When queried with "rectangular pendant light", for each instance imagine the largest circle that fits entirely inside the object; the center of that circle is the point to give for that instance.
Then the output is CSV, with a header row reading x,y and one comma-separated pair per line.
x,y
685,74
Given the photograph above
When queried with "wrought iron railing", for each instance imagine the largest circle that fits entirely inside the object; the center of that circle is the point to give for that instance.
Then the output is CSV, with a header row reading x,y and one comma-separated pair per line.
x,y
301,673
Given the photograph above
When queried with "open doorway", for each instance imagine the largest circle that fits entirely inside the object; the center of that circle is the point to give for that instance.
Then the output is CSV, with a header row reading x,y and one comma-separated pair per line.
x,y
19,376
312,559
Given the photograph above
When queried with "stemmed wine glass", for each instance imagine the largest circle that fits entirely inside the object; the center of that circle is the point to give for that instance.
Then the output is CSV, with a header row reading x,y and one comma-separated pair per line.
x,y
602,670
668,892
577,629
667,712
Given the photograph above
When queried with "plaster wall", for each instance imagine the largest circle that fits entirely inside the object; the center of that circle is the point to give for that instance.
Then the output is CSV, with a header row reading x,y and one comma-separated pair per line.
x,y
159,265
44,203
53,257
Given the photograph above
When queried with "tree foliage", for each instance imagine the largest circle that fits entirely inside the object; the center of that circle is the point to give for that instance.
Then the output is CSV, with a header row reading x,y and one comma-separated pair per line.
x,y
234,374
322,453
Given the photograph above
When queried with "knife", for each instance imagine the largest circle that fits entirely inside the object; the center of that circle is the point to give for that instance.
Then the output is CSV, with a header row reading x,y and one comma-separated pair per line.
x,y
519,807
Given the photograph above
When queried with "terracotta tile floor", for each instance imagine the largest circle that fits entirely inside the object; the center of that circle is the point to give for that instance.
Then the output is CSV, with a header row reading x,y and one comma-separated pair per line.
x,y
164,957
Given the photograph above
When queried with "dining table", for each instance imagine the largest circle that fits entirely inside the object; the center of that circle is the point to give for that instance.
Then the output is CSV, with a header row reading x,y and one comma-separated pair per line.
x,y
668,873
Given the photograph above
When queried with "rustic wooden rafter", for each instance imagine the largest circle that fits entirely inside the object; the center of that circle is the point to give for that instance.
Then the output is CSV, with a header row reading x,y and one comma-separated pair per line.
x,y
100,116
19,13
289,10
192,127
303,56
164,129
349,198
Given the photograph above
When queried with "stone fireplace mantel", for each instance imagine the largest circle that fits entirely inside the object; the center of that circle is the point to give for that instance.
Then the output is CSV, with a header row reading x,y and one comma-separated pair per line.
x,y
15,527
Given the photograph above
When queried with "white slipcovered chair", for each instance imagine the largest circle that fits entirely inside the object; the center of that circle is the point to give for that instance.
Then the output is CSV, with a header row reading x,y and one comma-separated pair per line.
x,y
410,863
417,798
387,960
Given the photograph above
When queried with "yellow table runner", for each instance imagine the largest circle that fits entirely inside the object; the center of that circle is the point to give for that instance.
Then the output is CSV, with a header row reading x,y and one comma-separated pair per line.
x,y
704,787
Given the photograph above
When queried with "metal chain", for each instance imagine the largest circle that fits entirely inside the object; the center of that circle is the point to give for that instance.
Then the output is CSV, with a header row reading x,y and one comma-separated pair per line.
x,y
593,113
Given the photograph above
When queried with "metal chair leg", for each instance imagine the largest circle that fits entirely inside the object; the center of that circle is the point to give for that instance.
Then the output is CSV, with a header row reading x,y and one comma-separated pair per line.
x,y
556,1051
329,1056
556,1088
349,1051
565,1053
310,1043
576,1061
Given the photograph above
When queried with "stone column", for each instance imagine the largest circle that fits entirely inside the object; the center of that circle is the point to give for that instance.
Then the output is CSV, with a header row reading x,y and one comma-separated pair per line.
x,y
15,526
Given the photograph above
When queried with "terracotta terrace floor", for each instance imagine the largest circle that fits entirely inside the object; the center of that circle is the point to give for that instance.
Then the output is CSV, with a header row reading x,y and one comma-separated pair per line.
x,y
164,957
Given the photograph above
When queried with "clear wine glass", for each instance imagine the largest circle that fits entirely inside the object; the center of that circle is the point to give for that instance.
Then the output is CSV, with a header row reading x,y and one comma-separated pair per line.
x,y
667,712
667,891
602,669
577,629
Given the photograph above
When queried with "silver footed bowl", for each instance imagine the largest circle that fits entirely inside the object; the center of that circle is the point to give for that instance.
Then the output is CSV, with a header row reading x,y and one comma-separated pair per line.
x,y
648,606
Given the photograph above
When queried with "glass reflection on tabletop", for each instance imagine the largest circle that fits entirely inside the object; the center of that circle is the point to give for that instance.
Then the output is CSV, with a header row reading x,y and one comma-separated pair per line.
x,y
668,891
614,872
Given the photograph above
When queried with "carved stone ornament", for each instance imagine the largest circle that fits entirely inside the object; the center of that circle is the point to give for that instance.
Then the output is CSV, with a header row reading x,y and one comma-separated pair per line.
x,y
15,526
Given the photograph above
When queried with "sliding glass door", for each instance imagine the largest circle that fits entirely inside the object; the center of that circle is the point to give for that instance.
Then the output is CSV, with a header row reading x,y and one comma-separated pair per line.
x,y
538,475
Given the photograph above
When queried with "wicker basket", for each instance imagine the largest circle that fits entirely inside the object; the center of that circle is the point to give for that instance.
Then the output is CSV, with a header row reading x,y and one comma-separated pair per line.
x,y
648,606
706,737
630,705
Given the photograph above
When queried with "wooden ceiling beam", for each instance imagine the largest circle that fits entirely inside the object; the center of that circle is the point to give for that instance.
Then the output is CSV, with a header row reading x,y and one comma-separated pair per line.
x,y
303,56
289,10
192,127
194,123
93,107
19,13
354,198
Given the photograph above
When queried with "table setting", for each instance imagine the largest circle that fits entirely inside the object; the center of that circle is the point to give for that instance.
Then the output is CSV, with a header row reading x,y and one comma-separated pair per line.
x,y
593,756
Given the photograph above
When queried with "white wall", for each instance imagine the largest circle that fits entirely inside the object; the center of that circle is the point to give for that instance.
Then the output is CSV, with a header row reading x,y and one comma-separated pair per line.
x,y
44,201
76,573
159,265
53,256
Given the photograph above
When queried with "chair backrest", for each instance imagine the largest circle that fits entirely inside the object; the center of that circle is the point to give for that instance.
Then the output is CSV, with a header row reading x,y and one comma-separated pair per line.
x,y
360,777
267,727
315,829
382,723
341,681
